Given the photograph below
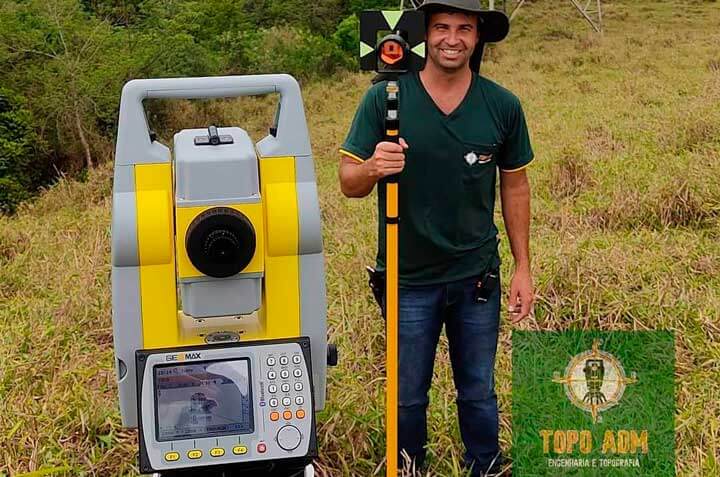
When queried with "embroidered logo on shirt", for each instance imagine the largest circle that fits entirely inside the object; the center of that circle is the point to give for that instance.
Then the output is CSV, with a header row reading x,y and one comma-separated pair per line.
x,y
472,158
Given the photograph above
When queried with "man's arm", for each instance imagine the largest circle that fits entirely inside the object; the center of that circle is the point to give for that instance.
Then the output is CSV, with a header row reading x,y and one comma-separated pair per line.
x,y
357,179
515,194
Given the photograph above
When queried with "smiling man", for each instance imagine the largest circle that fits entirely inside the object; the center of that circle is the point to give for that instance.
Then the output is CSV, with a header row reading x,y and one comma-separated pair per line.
x,y
458,130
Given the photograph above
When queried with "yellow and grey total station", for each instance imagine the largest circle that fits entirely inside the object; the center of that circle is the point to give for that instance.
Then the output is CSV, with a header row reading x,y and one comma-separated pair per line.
x,y
218,295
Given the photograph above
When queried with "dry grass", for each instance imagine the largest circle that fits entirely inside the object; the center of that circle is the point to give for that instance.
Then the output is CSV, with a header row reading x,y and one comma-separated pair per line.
x,y
570,175
626,194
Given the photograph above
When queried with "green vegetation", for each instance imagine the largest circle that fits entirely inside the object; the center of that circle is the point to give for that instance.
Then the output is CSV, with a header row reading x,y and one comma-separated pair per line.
x,y
626,235
19,171
70,58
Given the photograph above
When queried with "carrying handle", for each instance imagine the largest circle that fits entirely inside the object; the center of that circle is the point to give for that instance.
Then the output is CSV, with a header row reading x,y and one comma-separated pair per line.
x,y
133,130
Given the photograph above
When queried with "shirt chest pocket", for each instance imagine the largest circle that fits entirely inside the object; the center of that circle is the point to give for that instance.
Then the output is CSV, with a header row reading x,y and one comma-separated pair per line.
x,y
478,162
475,210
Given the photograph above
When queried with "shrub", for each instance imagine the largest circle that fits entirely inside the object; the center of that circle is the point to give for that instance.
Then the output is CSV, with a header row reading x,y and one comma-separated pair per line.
x,y
347,37
20,170
293,51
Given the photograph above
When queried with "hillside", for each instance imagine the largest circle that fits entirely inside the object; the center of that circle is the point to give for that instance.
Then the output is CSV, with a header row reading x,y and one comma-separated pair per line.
x,y
625,236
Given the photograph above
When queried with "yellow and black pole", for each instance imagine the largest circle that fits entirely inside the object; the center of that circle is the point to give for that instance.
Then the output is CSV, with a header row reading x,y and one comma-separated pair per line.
x,y
393,50
401,50
392,219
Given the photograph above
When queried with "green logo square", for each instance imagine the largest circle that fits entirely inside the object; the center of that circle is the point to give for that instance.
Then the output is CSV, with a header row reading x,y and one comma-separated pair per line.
x,y
592,403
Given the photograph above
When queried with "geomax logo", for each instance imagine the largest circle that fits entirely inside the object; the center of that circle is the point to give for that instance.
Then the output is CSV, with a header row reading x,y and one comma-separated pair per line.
x,y
182,356
594,381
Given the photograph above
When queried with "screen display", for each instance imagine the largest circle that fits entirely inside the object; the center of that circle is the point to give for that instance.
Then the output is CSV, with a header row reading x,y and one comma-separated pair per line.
x,y
203,399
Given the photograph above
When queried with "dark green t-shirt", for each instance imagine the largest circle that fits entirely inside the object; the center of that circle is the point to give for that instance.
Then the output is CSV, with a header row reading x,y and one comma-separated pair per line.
x,y
447,188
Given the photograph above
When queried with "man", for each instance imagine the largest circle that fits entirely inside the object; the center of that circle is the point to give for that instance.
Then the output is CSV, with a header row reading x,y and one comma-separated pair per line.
x,y
457,129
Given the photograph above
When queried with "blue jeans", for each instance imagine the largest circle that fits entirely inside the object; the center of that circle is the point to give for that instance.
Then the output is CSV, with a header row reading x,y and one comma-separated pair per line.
x,y
472,331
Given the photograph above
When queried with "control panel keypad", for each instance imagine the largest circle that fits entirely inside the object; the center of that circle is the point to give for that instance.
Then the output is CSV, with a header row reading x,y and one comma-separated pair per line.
x,y
284,370
288,398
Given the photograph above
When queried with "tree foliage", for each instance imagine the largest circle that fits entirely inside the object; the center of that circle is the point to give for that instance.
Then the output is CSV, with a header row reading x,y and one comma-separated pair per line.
x,y
20,171
70,58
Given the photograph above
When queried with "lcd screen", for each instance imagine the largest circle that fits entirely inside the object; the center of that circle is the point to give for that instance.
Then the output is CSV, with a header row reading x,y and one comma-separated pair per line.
x,y
203,399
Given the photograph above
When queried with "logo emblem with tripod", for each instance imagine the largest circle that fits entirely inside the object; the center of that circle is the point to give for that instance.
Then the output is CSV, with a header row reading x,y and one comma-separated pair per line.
x,y
595,381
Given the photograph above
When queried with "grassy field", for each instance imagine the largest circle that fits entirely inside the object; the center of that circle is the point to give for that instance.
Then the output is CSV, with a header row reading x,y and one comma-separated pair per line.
x,y
626,236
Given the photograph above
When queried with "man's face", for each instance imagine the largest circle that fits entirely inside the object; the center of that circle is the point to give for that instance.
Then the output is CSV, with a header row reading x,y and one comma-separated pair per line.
x,y
451,40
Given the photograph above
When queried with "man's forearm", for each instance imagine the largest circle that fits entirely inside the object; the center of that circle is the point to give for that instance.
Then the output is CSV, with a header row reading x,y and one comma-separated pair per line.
x,y
515,194
354,178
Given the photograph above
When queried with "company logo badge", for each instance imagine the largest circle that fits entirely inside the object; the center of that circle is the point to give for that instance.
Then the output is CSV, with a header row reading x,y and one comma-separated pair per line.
x,y
472,158
594,381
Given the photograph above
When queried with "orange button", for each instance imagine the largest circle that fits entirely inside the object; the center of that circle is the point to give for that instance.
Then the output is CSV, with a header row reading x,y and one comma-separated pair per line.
x,y
300,414
287,415
274,416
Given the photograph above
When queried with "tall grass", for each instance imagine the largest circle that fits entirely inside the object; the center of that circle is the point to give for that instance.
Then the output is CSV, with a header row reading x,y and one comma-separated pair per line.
x,y
626,202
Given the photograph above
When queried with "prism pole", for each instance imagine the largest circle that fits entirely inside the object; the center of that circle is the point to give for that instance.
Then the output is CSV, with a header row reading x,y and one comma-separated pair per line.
x,y
392,134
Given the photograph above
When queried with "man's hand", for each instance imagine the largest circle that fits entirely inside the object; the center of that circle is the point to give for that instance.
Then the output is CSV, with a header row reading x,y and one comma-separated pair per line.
x,y
388,159
357,179
522,294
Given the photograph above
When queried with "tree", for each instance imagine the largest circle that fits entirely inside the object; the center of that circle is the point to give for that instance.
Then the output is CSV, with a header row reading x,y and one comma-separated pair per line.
x,y
69,64
20,148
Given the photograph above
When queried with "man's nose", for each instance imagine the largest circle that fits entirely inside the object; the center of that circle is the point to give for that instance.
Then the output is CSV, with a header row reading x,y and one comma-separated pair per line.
x,y
452,38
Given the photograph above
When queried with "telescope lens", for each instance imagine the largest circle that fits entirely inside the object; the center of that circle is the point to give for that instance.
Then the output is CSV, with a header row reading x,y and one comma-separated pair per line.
x,y
220,242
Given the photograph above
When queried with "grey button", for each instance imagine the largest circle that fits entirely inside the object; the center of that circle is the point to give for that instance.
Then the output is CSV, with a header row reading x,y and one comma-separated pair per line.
x,y
286,401
288,438
299,401
285,387
272,375
298,386
272,388
271,361
297,373
297,359
284,374
273,402
284,360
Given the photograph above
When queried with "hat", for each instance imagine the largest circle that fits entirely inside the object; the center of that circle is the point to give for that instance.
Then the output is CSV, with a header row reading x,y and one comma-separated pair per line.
x,y
493,25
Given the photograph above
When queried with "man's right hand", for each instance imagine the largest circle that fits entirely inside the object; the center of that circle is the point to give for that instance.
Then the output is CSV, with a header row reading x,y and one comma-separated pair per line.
x,y
388,159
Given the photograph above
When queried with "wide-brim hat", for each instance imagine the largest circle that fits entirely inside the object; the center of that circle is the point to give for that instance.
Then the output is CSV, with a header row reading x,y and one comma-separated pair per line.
x,y
494,25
